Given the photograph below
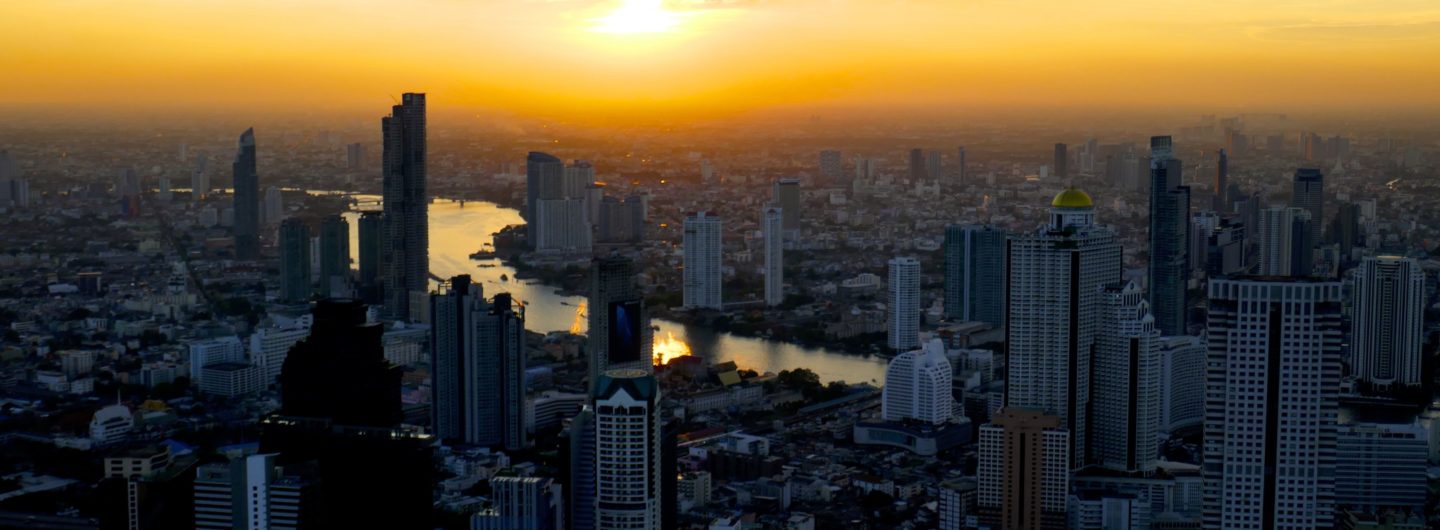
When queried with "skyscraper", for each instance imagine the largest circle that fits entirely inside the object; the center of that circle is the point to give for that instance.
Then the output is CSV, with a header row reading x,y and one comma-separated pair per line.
x,y
405,251
542,171
1271,403
294,260
831,167
1308,192
578,446
628,461
199,179
903,329
1222,183
772,229
917,386
1283,236
561,226
274,206
1062,161
960,176
334,257
619,324
917,166
1127,382
1023,471
702,248
1389,322
371,234
478,357
1054,303
787,197
1169,270
934,165
247,199
975,273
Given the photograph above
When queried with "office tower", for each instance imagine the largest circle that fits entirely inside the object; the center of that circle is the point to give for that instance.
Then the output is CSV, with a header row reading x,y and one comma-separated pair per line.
x,y
477,352
1224,253
1182,382
294,260
702,247
577,452
1381,466
917,386
960,176
619,324
975,274
1222,182
1062,160
1282,242
371,234
1270,403
621,221
1389,323
199,179
1169,270
903,329
1127,382
1344,229
576,177
270,346
1202,225
772,227
521,503
831,167
917,166
1023,471
787,197
627,461
1309,193
933,165
255,492
561,225
405,243
1054,302
354,156
274,207
247,199
340,409
334,256
542,171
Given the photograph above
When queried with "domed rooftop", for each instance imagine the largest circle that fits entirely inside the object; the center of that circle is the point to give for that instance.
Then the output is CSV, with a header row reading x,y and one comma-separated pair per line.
x,y
1072,198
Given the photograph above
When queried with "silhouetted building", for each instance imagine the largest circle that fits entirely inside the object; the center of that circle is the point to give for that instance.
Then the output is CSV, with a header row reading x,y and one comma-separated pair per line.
x,y
787,196
1169,271
478,367
917,166
975,273
294,260
543,172
619,323
1309,193
334,257
1062,161
247,199
405,250
371,235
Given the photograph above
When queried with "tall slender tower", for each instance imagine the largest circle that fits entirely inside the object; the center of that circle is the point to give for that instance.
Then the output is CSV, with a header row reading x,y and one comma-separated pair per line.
x,y
406,242
904,322
370,239
1271,401
1169,269
247,199
1308,192
1283,249
773,229
543,173
619,324
1222,182
628,461
702,247
294,260
1062,161
478,357
1127,382
1054,302
787,197
975,273
1389,322
334,256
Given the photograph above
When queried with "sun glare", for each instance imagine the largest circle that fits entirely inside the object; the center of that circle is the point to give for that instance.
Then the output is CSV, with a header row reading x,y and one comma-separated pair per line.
x,y
638,16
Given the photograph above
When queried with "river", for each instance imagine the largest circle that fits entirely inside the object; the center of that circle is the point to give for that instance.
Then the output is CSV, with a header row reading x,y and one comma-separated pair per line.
x,y
459,229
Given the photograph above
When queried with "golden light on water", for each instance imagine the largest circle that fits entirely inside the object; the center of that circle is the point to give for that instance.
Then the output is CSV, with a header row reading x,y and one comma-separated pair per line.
x,y
669,348
577,326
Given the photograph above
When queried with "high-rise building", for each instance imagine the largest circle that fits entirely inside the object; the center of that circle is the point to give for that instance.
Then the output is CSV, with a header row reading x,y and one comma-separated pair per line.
x,y
199,179
542,171
354,156
975,273
703,251
274,208
579,175
1054,303
917,166
561,225
1222,183
1182,382
903,324
370,237
934,165
1283,237
956,503
255,492
521,503
405,250
1023,472
1308,192
619,324
1389,322
1344,230
1062,161
831,168
772,229
1127,380
787,197
620,221
577,450
334,257
477,351
1381,466
294,260
628,461
1169,270
960,176
1271,402
917,386
247,199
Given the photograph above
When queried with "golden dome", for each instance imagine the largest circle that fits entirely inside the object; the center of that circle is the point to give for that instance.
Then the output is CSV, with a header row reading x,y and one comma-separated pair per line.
x,y
1072,198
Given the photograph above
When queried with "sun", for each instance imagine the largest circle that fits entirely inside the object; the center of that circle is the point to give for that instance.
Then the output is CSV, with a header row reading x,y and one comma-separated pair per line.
x,y
638,16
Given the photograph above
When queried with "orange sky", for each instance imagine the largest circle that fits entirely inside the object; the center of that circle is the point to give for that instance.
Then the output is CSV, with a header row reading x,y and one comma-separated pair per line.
x,y
546,56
